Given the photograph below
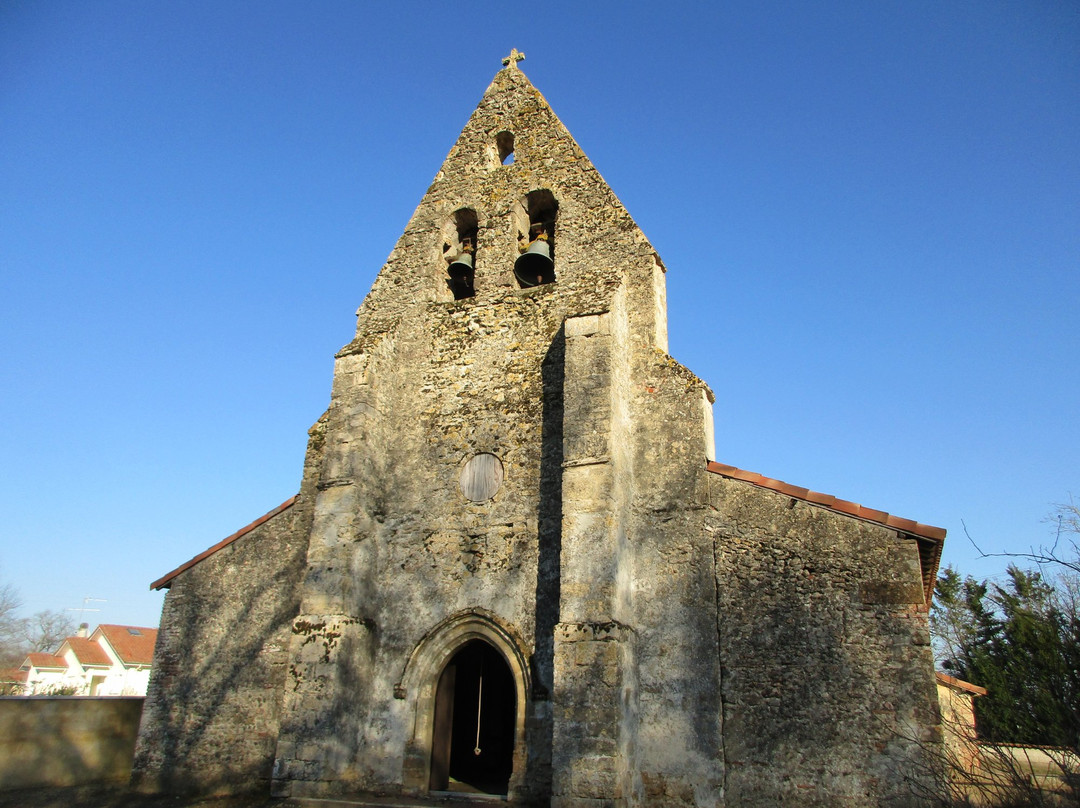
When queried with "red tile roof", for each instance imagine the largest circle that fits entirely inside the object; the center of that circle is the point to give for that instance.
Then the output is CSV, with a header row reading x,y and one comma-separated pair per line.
x,y
86,651
930,539
166,580
43,660
13,676
960,684
831,502
132,648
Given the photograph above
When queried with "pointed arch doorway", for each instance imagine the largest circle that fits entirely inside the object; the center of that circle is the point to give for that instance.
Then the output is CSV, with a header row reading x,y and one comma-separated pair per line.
x,y
472,743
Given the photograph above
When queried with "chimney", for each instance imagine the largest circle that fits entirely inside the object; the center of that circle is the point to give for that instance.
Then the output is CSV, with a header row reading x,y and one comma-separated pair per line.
x,y
84,629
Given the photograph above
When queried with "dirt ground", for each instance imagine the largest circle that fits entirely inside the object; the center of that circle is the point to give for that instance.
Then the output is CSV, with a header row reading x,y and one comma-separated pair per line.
x,y
120,797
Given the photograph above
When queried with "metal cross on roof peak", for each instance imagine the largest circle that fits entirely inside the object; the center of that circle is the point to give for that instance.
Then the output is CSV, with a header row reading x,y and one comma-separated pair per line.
x,y
514,57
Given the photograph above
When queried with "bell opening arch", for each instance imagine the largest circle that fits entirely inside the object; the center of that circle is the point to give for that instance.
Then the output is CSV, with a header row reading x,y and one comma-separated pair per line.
x,y
464,643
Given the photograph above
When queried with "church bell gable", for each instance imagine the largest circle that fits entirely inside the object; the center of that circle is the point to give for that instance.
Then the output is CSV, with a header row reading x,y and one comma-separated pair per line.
x,y
477,453
516,205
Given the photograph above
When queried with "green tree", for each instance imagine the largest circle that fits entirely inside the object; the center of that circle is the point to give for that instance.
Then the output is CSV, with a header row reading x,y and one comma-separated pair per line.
x,y
1021,641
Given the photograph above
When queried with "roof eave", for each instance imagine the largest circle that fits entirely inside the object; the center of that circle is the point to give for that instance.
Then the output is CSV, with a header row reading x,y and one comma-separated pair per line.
x,y
960,684
829,502
166,580
930,539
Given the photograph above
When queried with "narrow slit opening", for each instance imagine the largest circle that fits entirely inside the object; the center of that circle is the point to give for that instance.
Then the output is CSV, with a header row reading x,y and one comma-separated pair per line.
x,y
504,142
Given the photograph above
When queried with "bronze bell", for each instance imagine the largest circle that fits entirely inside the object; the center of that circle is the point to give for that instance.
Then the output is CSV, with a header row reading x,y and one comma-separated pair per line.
x,y
461,269
535,267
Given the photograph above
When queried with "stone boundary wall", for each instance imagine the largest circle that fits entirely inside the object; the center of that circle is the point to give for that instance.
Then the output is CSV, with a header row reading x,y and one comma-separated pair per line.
x,y
67,740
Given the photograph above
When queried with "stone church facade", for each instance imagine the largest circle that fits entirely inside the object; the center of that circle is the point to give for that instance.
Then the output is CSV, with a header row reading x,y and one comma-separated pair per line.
x,y
513,565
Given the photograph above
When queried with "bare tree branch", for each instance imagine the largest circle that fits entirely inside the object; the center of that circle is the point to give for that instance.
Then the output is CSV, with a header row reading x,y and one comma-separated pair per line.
x,y
1067,517
19,636
11,626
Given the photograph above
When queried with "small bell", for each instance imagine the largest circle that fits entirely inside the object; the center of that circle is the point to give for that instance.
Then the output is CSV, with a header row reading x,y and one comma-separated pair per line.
x,y
534,267
461,271
461,268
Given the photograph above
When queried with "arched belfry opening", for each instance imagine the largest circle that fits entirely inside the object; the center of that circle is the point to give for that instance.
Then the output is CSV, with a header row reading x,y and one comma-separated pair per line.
x,y
535,220
504,143
459,248
472,739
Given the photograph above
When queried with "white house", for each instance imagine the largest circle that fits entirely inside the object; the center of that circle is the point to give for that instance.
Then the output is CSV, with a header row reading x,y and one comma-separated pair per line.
x,y
131,651
87,665
44,673
113,661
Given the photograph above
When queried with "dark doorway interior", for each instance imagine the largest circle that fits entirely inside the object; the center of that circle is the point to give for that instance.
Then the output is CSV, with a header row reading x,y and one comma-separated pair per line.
x,y
472,746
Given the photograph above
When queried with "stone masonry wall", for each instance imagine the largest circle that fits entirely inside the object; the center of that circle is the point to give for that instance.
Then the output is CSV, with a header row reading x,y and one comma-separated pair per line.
x,y
427,383
675,638
594,644
679,739
828,684
49,741
396,548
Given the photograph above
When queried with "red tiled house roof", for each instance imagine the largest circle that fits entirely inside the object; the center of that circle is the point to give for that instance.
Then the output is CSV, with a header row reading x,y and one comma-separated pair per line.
x,y
87,652
9,676
39,659
133,644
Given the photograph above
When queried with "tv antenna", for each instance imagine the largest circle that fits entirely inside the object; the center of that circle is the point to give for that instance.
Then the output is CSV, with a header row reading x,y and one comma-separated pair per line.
x,y
85,608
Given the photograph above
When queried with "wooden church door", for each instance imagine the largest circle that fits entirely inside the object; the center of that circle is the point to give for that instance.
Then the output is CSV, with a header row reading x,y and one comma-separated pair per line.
x,y
472,744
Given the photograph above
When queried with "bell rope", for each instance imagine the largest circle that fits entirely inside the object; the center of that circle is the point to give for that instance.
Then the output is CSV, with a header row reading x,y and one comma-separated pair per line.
x,y
479,704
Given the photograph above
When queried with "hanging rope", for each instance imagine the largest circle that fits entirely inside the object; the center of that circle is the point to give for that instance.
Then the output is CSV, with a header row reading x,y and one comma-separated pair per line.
x,y
479,704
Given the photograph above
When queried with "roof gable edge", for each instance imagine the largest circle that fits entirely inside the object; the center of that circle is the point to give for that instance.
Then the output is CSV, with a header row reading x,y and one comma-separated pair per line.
x,y
930,539
829,502
166,580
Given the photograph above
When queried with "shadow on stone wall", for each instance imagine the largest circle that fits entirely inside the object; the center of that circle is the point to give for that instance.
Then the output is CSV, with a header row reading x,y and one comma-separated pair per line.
x,y
215,697
550,550
820,687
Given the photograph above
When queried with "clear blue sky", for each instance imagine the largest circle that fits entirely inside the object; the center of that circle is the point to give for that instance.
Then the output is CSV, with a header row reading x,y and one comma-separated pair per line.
x,y
870,215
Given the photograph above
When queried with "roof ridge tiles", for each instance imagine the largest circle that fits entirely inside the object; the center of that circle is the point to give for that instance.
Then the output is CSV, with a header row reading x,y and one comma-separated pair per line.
x,y
829,501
